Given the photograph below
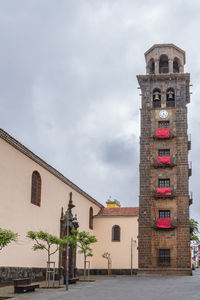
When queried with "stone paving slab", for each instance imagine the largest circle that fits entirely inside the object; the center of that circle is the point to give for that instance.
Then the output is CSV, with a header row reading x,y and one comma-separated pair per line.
x,y
124,288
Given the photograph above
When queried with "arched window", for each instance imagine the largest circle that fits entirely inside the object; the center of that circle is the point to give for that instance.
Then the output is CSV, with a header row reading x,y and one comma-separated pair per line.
x,y
156,98
151,67
36,189
176,65
170,98
163,64
116,233
91,218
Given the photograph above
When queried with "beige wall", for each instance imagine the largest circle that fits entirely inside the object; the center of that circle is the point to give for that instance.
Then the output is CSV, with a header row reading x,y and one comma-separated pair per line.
x,y
18,214
120,251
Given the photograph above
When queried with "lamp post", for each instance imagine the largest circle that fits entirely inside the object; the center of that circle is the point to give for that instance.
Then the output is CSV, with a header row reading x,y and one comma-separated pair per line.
x,y
132,241
75,222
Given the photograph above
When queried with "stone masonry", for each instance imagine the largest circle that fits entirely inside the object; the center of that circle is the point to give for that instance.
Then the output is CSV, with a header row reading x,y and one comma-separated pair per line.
x,y
177,238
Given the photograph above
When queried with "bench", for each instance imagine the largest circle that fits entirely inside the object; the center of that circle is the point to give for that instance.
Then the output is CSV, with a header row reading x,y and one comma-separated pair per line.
x,y
24,285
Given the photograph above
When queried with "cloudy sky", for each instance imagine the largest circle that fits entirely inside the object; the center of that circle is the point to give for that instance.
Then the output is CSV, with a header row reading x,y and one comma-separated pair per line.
x,y
68,88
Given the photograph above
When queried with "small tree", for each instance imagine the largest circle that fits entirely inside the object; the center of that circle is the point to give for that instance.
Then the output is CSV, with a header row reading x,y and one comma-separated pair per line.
x,y
45,241
6,237
194,230
107,256
83,240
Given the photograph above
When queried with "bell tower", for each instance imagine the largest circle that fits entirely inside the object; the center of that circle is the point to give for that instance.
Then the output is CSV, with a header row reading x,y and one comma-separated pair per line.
x,y
164,233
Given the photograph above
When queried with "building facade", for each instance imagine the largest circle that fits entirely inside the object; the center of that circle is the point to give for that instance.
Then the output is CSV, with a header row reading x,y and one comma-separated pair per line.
x,y
164,234
35,196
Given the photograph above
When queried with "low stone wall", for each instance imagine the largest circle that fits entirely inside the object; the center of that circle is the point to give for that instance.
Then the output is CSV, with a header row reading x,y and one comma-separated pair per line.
x,y
105,272
165,272
7,274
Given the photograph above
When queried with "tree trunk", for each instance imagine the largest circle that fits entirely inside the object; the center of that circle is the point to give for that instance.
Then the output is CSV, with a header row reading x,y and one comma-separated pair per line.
x,y
109,267
84,274
48,268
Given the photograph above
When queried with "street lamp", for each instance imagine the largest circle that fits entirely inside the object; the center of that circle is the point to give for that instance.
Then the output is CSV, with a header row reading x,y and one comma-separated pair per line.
x,y
132,241
75,222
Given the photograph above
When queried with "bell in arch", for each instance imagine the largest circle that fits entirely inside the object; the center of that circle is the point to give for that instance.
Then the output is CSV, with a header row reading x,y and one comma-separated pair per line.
x,y
156,97
170,95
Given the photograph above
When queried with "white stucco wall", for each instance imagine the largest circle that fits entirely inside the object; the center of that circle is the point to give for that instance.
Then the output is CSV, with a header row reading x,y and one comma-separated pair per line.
x,y
120,251
18,214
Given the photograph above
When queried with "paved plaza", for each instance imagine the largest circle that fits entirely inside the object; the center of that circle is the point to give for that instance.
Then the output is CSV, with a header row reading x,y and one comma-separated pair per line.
x,y
123,287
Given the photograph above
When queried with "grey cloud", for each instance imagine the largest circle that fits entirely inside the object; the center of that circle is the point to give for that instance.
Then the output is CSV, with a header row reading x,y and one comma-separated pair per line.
x,y
68,84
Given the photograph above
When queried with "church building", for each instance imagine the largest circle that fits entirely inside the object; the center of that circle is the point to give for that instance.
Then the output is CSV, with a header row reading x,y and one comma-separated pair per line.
x,y
35,196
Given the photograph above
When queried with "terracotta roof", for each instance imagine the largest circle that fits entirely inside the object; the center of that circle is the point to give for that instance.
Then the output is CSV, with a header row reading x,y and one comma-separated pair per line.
x,y
13,142
119,211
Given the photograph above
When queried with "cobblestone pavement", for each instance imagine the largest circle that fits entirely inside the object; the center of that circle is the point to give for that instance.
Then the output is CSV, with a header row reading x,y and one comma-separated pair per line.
x,y
124,287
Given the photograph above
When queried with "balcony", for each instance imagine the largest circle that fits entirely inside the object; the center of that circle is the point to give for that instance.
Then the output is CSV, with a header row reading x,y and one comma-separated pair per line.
x,y
164,224
170,103
190,198
164,162
189,142
164,193
163,133
190,169
157,104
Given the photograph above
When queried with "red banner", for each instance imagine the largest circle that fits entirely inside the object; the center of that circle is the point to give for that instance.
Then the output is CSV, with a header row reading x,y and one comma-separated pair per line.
x,y
163,160
164,223
162,133
164,191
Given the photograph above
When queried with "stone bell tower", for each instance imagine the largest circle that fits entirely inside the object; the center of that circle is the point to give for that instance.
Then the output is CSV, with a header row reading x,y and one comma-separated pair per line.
x,y
164,233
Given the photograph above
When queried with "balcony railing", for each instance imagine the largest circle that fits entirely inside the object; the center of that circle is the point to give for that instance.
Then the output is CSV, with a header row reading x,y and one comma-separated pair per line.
x,y
171,134
190,169
164,165
170,103
173,225
189,142
190,198
156,104
171,196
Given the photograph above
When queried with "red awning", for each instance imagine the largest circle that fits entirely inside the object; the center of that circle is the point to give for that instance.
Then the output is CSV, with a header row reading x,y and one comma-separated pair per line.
x,y
164,191
163,160
162,133
164,223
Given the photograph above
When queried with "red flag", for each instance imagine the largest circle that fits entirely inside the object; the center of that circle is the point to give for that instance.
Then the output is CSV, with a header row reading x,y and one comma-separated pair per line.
x,y
163,160
162,133
164,191
164,223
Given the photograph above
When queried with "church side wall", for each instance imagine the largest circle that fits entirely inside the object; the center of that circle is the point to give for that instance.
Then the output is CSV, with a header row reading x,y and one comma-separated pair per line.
x,y
18,214
120,251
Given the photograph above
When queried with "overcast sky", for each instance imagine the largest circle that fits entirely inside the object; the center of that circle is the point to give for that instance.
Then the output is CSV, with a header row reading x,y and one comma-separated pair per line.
x,y
68,88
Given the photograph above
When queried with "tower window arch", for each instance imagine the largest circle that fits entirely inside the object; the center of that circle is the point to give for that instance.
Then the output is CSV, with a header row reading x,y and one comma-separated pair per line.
x,y
151,66
163,64
116,233
156,98
91,218
170,98
176,65
36,188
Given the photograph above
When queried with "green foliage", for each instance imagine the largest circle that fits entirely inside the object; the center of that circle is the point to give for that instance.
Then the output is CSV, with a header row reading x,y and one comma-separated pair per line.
x,y
44,241
106,255
6,237
83,240
194,230
115,201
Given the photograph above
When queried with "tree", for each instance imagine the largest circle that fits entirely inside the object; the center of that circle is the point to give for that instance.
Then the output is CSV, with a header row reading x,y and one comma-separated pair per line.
x,y
107,256
45,241
6,237
194,230
83,240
